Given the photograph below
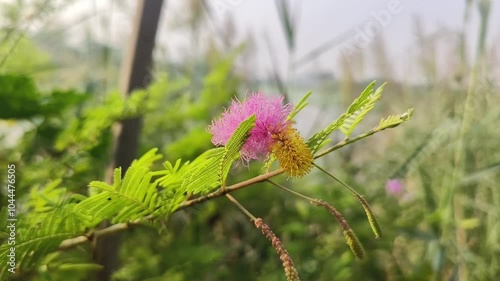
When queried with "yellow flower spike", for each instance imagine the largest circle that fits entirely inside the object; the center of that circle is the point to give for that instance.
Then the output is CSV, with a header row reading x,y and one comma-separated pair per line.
x,y
292,152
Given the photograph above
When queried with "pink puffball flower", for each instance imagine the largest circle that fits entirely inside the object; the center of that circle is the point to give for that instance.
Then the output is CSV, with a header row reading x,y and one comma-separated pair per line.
x,y
271,118
394,187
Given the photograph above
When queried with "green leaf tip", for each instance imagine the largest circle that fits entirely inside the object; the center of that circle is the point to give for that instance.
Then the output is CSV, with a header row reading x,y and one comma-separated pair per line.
x,y
302,103
395,120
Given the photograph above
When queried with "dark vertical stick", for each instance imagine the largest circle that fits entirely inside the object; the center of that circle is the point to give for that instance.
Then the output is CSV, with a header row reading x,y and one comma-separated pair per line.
x,y
136,75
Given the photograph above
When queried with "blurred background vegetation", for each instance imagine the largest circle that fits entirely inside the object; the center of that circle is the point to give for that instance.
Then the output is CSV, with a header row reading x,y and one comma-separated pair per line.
x,y
59,100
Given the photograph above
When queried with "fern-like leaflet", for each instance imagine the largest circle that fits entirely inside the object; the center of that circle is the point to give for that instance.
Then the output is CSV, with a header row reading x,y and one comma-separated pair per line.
x,y
394,120
41,233
202,175
348,121
360,107
128,199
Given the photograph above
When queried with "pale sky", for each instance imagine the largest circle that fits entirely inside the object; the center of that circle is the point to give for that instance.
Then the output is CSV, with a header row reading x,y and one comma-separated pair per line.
x,y
321,21
352,23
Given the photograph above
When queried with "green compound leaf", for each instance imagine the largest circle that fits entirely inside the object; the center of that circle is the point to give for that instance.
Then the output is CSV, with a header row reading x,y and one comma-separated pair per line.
x,y
131,198
360,107
170,181
202,175
318,140
171,177
41,233
234,145
348,121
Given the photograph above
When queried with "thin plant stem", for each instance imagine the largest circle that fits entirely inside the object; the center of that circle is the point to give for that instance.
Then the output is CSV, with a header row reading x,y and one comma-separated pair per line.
x,y
338,180
228,189
348,141
291,191
243,209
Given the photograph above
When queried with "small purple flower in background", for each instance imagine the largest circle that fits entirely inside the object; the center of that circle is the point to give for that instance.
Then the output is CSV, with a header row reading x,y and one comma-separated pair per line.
x,y
270,116
272,133
394,187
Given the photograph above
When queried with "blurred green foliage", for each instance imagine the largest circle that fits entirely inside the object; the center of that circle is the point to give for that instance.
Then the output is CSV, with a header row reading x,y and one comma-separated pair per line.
x,y
444,226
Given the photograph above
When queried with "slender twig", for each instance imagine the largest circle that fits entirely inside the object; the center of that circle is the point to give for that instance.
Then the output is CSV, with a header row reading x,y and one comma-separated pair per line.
x,y
338,180
348,141
291,191
229,189
243,209
70,243
317,202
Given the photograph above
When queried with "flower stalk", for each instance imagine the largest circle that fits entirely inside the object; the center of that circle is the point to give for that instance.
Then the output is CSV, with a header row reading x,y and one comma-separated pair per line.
x,y
290,271
372,220
351,238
